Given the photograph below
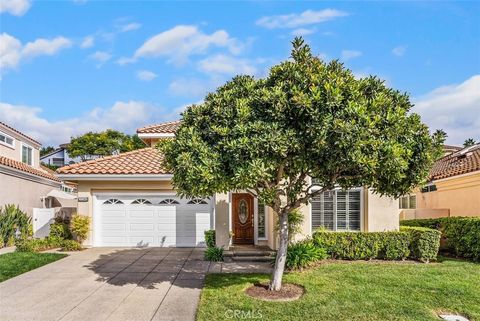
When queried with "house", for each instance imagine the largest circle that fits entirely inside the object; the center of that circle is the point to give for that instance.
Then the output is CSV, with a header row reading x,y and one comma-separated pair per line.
x,y
23,180
132,203
59,157
453,188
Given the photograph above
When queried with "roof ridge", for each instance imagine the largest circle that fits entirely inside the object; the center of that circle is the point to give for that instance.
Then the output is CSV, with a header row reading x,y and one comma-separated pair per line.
x,y
159,124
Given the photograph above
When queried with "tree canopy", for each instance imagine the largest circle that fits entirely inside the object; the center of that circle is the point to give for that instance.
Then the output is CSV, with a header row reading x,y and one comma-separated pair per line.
x,y
104,143
469,142
307,118
46,149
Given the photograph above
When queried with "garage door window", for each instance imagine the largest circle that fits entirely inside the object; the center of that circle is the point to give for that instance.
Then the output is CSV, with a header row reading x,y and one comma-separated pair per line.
x,y
140,201
169,201
113,201
197,201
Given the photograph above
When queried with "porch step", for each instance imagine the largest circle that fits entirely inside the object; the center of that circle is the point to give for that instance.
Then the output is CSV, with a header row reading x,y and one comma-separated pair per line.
x,y
249,254
251,258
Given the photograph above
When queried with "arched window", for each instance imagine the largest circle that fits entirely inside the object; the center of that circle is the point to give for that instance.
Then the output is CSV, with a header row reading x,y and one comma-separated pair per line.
x,y
169,201
141,201
197,201
113,201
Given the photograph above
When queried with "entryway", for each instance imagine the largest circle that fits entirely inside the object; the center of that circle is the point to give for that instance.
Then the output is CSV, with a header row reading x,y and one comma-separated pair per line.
x,y
242,218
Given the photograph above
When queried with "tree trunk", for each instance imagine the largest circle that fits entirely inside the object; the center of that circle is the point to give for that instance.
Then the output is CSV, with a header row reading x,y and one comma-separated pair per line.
x,y
277,275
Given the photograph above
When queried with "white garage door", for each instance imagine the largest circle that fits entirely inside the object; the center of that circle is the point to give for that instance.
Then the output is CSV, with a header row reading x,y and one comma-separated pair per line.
x,y
150,220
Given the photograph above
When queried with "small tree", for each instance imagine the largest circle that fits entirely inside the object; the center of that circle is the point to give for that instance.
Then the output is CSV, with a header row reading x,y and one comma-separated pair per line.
x,y
306,119
469,142
104,143
80,225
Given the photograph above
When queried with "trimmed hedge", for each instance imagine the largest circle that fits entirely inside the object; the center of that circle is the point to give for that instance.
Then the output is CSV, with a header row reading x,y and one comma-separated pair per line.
x,y
38,245
424,242
461,234
415,243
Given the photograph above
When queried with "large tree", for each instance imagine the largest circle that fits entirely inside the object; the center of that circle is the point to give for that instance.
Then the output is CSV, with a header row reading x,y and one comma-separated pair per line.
x,y
306,119
104,143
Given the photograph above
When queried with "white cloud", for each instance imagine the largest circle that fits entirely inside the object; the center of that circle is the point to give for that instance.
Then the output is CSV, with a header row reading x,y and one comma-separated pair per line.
x,y
101,56
399,51
46,47
87,42
130,27
146,75
12,52
295,20
193,87
227,65
350,54
123,116
178,43
15,7
302,32
453,108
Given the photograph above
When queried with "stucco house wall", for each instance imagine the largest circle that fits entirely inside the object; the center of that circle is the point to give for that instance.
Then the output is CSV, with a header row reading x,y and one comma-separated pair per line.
x,y
25,193
459,195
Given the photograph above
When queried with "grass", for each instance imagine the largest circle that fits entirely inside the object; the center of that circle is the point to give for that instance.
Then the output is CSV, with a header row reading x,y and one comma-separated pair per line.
x,y
353,291
16,263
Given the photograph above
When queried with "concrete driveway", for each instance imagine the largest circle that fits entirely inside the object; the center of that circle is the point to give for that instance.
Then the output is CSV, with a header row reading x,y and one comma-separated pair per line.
x,y
109,284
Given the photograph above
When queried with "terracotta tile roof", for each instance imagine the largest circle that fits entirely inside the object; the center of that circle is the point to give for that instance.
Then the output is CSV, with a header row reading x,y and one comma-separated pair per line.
x,y
26,168
141,161
461,162
20,133
164,128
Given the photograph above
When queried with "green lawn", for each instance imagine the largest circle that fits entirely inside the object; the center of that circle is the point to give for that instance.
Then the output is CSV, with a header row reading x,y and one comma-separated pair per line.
x,y
353,291
13,264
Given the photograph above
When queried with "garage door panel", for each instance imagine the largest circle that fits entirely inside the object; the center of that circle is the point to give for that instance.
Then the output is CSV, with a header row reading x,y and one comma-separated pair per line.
x,y
141,213
114,213
118,227
151,225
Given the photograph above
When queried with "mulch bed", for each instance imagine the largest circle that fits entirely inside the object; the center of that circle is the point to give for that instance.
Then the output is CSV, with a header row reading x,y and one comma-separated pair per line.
x,y
289,292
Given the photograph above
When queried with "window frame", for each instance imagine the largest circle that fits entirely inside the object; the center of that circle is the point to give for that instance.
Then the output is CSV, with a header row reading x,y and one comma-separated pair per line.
x,y
21,154
408,201
335,214
12,146
169,202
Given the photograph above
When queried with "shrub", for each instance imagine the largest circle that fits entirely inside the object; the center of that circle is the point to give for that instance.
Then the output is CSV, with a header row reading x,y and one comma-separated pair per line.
x,y
363,245
214,254
210,238
80,226
424,242
71,245
11,218
38,245
60,230
461,234
303,254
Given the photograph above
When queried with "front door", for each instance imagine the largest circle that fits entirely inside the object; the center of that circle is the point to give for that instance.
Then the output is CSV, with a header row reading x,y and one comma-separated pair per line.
x,y
242,218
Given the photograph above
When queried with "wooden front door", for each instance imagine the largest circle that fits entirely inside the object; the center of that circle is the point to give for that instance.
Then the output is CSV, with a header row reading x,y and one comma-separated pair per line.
x,y
242,218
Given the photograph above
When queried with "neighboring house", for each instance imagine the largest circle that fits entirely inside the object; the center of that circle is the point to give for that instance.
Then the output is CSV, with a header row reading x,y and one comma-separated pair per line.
x,y
59,157
23,181
132,203
453,188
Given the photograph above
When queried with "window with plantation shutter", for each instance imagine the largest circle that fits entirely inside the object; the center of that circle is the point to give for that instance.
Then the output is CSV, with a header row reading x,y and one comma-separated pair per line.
x,y
337,210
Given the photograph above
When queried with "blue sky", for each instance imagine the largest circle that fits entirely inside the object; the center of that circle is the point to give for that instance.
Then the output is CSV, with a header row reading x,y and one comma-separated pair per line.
x,y
72,66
